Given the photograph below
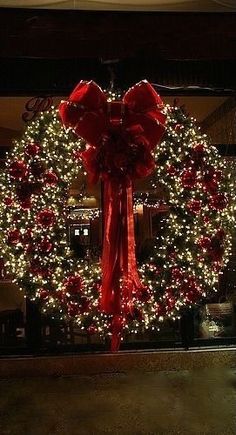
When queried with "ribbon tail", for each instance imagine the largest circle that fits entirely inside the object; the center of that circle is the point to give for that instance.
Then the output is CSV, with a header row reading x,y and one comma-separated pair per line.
x,y
110,290
116,332
130,272
118,257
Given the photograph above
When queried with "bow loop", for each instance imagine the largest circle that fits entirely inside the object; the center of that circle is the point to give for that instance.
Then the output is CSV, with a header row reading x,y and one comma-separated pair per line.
x,y
142,98
144,107
86,106
89,95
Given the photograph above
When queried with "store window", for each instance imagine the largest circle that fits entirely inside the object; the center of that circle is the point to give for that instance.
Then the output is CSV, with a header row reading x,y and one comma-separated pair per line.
x,y
212,321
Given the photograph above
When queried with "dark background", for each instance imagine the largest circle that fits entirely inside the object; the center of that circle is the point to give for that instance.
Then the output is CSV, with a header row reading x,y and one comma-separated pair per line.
x,y
49,51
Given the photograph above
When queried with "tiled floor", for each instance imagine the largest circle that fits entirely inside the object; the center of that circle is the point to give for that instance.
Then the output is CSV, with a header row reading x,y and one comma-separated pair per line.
x,y
182,402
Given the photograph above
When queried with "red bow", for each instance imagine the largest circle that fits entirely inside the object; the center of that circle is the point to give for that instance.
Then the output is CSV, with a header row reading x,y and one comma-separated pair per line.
x,y
120,136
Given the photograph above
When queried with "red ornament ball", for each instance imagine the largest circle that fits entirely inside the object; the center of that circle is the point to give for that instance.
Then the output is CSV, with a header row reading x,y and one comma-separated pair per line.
x,y
26,189
160,310
43,294
210,185
84,304
46,218
18,169
13,237
170,302
50,178
199,149
173,255
32,149
194,206
218,201
36,268
8,201
188,178
60,295
205,242
73,285
216,254
45,246
176,273
73,309
192,296
206,219
26,204
171,169
29,249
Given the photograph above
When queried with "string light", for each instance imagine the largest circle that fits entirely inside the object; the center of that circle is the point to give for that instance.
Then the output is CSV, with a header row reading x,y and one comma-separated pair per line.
x,y
84,213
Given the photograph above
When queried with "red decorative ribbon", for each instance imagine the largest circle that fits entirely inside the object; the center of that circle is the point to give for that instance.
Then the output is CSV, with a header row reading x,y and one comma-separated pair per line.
x,y
120,136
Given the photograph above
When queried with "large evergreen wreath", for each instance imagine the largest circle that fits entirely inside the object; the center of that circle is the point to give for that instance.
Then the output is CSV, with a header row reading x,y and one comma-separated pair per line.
x,y
187,257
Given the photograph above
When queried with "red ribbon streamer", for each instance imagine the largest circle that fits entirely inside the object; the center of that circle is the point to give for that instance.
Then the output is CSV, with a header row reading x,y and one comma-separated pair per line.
x,y
120,136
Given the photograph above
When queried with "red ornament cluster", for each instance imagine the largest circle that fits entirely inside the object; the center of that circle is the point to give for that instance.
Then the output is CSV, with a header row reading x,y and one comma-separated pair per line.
x,y
188,178
218,201
32,149
46,218
194,206
213,246
18,170
72,296
30,176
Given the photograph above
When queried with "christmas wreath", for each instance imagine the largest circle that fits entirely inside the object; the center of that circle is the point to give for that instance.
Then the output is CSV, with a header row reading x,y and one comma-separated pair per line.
x,y
118,297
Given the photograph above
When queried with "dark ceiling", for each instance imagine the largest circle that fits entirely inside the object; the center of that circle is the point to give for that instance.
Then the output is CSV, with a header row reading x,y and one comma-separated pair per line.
x,y
48,51
116,35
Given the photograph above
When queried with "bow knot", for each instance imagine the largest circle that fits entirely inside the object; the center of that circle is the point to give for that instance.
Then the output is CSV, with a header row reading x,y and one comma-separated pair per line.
x,y
116,112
